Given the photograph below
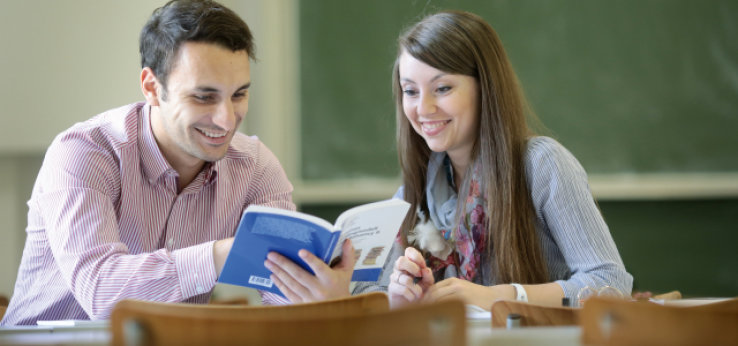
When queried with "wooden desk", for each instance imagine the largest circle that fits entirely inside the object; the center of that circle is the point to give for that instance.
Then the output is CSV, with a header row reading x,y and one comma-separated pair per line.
x,y
480,332
45,335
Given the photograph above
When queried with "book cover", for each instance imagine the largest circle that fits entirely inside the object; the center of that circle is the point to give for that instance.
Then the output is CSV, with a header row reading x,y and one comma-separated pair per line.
x,y
371,227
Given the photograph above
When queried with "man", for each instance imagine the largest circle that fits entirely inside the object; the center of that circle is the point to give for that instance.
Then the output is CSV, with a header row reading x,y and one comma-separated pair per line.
x,y
142,201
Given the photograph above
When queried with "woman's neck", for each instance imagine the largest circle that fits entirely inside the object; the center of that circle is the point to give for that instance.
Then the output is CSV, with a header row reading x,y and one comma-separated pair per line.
x,y
459,165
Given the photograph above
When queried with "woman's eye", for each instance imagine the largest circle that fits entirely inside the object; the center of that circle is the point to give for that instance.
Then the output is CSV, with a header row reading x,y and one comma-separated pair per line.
x,y
444,89
410,92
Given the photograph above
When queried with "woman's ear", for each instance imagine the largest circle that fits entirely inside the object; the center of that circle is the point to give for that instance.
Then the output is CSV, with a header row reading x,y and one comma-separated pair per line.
x,y
150,86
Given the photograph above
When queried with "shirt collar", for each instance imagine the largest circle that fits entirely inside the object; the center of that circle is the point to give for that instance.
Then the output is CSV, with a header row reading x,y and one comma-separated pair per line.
x,y
153,162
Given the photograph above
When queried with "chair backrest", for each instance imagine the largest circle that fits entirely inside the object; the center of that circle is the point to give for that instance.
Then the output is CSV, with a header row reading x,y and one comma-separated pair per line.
x,y
533,315
621,322
147,323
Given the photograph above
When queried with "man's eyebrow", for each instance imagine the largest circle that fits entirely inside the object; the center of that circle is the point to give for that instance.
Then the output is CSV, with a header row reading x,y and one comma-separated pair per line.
x,y
208,89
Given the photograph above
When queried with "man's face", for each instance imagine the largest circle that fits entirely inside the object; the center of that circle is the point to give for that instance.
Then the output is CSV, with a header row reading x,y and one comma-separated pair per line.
x,y
205,101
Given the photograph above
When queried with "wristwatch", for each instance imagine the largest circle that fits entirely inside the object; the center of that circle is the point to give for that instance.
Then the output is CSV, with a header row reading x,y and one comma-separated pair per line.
x,y
520,295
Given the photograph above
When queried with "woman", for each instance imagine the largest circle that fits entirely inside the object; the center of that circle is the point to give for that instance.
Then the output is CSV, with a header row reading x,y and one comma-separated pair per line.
x,y
496,212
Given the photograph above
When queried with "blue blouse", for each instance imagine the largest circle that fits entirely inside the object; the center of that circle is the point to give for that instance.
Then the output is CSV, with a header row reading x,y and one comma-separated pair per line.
x,y
575,240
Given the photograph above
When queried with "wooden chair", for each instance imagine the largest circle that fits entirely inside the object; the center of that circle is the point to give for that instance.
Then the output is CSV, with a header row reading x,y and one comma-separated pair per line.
x,y
2,311
147,323
231,301
533,315
620,322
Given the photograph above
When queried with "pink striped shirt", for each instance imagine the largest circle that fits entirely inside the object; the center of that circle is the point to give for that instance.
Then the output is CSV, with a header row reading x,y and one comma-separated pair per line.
x,y
106,223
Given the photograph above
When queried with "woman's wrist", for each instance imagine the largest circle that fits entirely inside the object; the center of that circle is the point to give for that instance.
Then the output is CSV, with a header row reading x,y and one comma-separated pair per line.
x,y
503,292
520,294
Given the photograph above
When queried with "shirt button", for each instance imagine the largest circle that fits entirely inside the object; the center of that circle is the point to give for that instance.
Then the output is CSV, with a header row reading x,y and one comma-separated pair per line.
x,y
170,242
199,289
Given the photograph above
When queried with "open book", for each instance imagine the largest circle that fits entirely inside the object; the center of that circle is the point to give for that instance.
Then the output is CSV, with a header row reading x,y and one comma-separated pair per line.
x,y
371,227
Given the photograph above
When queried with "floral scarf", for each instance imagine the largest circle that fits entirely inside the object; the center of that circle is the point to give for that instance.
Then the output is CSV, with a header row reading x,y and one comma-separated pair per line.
x,y
460,246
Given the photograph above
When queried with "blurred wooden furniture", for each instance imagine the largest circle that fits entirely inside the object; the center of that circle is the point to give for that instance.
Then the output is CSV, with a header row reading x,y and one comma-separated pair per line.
x,y
669,295
621,322
231,301
673,295
3,306
727,305
533,315
323,323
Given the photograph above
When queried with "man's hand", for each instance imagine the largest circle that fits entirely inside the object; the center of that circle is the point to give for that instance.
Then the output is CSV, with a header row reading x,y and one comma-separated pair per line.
x,y
221,248
299,286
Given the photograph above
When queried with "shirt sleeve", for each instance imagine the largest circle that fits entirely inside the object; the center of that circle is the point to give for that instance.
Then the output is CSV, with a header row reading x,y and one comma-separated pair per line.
x,y
565,205
270,187
80,184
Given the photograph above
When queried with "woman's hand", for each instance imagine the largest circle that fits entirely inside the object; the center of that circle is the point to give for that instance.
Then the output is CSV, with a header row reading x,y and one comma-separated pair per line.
x,y
468,292
299,286
403,288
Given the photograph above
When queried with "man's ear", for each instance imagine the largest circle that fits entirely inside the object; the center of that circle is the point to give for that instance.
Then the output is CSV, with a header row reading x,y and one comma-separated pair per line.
x,y
150,86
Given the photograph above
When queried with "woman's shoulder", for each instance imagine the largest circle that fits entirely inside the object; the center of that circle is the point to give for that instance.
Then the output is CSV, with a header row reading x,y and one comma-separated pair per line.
x,y
542,147
545,155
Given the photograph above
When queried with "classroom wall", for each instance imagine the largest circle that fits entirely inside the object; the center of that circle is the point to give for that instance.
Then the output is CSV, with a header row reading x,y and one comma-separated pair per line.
x,y
644,94
686,245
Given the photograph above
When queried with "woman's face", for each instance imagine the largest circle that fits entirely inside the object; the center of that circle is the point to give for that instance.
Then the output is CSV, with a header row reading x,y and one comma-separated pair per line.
x,y
442,107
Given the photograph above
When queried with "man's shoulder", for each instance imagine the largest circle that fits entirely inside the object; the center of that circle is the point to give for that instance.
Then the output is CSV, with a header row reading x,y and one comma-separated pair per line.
x,y
250,151
245,147
115,127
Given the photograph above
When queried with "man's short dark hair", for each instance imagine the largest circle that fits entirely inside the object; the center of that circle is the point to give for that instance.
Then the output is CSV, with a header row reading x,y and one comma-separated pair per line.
x,y
181,21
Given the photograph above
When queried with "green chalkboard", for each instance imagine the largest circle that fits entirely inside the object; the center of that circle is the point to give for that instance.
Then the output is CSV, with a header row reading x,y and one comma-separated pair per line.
x,y
642,86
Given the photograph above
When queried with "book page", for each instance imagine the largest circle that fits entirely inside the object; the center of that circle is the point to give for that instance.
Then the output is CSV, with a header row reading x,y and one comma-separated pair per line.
x,y
372,229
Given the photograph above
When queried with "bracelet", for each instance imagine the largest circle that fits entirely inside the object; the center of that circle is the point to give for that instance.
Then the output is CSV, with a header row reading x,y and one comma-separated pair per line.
x,y
521,295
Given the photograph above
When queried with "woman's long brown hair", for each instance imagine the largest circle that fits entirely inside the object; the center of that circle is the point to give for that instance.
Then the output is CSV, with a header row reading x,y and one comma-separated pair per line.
x,y
463,43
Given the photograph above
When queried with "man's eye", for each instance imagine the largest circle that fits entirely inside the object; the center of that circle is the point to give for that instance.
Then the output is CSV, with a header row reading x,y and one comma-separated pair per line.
x,y
239,96
203,98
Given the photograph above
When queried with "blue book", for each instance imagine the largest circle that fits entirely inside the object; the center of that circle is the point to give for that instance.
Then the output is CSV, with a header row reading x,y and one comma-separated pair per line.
x,y
371,227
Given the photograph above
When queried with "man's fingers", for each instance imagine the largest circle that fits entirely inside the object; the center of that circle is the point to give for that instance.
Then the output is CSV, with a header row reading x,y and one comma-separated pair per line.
x,y
290,274
291,295
348,256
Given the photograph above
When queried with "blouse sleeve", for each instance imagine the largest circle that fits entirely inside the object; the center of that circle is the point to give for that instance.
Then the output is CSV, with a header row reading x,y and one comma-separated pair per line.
x,y
565,206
